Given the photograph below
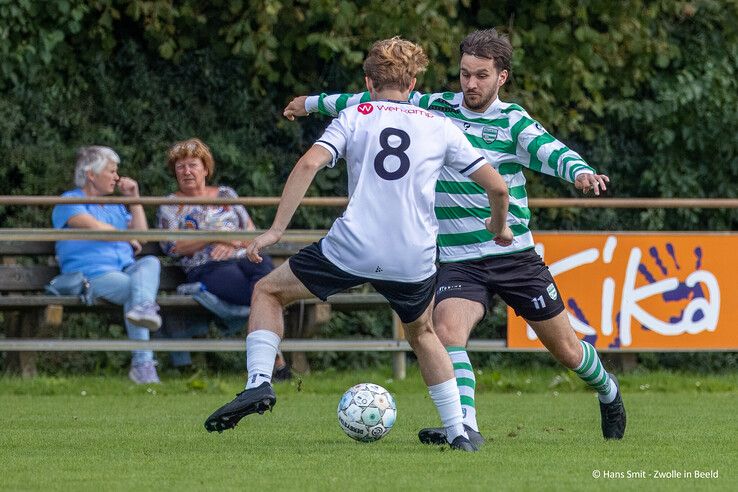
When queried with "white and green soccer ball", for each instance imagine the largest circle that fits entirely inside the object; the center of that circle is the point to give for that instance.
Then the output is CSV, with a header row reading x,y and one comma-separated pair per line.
x,y
367,412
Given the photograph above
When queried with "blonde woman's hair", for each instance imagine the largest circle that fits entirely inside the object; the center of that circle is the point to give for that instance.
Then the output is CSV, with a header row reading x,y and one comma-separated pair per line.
x,y
192,147
394,63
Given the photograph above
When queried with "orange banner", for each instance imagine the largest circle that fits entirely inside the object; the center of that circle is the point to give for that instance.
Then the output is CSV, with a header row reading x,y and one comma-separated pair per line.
x,y
642,290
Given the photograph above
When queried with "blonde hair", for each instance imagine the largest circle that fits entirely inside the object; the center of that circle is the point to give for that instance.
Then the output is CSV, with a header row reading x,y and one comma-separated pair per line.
x,y
192,147
393,63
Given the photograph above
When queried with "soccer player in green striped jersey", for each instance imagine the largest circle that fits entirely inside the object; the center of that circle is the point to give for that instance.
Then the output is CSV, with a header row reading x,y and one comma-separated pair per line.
x,y
473,268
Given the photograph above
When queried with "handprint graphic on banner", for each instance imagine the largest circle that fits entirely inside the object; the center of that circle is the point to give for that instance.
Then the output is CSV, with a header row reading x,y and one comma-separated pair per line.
x,y
640,290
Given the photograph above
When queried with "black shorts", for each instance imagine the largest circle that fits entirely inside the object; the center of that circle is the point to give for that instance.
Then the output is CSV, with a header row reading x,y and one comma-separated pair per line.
x,y
521,279
323,278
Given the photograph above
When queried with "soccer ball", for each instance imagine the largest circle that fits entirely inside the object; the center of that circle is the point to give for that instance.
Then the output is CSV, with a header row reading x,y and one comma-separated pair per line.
x,y
366,412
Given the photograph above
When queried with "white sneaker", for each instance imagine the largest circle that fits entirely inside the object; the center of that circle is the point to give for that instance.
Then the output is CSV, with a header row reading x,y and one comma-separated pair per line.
x,y
145,315
144,373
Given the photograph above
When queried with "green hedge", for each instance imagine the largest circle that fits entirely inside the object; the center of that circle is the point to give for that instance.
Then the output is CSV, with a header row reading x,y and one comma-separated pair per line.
x,y
645,90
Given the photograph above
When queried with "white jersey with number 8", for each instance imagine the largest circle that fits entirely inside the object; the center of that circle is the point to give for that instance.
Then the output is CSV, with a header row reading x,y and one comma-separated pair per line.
x,y
394,153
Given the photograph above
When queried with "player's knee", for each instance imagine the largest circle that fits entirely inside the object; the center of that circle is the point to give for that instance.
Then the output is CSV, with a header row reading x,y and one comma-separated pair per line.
x,y
266,290
443,332
570,354
417,331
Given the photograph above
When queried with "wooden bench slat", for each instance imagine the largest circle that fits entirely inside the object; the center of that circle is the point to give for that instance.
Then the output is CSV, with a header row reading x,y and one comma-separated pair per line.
x,y
19,278
229,345
46,248
232,345
341,302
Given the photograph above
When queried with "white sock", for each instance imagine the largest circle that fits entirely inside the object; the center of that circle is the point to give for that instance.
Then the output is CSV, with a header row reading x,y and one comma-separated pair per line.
x,y
261,350
445,397
611,393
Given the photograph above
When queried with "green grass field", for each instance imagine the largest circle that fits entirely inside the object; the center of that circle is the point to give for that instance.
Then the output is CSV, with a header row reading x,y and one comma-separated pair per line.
x,y
95,433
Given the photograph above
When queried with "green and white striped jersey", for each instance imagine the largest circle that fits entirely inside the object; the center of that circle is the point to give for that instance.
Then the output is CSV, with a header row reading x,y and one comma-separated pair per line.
x,y
509,139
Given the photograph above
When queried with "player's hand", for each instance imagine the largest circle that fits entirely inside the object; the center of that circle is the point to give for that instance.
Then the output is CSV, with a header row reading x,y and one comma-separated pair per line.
x,y
265,240
587,181
503,238
222,251
136,245
296,107
128,187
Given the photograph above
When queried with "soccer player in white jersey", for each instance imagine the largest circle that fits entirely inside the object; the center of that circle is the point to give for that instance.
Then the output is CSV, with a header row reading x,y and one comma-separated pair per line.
x,y
473,268
394,153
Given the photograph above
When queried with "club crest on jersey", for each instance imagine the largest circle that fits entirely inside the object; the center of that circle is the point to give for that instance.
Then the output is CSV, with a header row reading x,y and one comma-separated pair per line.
x,y
551,289
365,108
489,134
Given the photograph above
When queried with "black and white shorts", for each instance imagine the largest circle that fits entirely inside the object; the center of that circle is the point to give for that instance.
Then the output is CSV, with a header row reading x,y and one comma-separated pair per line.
x,y
321,277
521,279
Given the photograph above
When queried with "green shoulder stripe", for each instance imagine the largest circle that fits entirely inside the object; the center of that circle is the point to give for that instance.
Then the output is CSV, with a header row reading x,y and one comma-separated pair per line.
x,y
424,101
511,108
518,127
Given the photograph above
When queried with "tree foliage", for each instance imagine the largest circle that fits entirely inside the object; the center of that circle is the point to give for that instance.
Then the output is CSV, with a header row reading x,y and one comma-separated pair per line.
x,y
645,90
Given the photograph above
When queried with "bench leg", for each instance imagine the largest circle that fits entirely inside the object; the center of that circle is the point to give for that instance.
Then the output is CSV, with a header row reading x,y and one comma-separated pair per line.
x,y
20,325
304,321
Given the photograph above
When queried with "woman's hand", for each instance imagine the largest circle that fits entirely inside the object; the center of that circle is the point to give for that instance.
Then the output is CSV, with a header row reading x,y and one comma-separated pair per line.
x,y
136,246
128,187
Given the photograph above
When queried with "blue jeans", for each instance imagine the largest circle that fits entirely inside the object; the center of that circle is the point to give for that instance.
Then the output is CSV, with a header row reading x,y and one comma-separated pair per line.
x,y
136,284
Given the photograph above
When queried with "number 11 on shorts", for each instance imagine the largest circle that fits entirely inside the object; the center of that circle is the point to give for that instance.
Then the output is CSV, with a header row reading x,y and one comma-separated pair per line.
x,y
538,302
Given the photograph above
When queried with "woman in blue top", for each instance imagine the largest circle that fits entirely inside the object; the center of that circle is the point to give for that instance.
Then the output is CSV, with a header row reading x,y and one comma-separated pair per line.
x,y
109,266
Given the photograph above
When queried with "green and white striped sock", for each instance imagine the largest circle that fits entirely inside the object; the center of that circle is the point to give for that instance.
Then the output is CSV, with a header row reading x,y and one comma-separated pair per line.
x,y
594,374
466,382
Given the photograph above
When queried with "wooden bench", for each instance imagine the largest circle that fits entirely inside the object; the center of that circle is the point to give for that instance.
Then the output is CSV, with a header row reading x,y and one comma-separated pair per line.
x,y
31,316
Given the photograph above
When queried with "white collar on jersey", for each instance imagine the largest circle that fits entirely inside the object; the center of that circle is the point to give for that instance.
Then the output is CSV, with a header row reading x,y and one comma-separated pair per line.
x,y
494,107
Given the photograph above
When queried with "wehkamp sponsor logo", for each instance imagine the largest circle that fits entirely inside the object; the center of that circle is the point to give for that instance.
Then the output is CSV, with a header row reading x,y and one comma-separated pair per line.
x,y
406,110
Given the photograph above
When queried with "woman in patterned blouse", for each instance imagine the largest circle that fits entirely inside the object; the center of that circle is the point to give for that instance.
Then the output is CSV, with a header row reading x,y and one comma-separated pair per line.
x,y
219,265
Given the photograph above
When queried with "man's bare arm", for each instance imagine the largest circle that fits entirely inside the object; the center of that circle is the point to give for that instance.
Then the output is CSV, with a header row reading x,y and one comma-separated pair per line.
x,y
298,182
